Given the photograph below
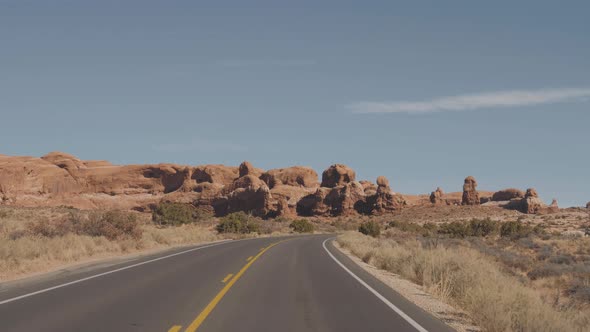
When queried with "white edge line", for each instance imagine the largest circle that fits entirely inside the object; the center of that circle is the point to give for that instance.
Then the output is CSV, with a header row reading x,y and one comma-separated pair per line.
x,y
379,296
112,271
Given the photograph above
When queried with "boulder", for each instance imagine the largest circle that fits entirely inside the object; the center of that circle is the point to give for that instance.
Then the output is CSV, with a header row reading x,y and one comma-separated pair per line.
x,y
298,176
369,187
219,174
382,182
337,175
384,200
246,181
470,194
531,203
507,194
531,192
588,205
436,196
346,199
314,204
283,209
65,161
554,207
248,194
246,168
291,194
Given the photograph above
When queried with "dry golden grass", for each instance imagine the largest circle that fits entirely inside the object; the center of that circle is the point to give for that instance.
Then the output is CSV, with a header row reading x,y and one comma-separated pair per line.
x,y
496,300
36,240
23,253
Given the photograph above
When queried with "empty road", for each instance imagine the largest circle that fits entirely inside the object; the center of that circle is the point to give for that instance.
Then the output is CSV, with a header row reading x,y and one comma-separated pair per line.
x,y
266,284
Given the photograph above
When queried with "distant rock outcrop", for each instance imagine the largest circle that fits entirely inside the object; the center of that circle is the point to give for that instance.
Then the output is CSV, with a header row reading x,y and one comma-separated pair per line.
x,y
384,200
531,203
59,178
588,205
219,174
553,207
507,194
291,176
369,187
470,194
436,196
337,175
248,194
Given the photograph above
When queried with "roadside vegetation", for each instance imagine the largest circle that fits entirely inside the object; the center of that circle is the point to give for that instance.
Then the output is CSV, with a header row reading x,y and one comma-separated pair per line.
x,y
36,240
302,226
508,275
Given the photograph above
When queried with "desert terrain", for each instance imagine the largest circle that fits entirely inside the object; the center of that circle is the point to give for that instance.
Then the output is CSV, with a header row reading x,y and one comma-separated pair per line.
x,y
58,211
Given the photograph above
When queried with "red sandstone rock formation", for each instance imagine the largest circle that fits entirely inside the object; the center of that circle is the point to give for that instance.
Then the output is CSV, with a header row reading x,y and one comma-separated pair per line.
x,y
507,194
369,187
531,203
470,194
337,175
291,176
554,207
62,179
384,200
436,196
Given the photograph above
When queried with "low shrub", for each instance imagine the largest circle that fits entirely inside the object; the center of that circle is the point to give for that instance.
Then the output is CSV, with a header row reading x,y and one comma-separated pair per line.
x,y
371,228
403,226
482,227
51,228
301,226
238,222
454,229
111,224
547,270
515,230
170,213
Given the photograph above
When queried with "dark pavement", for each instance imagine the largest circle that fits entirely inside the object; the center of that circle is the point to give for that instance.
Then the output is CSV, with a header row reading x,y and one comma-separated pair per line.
x,y
294,285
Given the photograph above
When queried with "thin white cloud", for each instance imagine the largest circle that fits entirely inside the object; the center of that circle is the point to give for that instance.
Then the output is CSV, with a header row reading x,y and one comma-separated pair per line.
x,y
265,62
500,99
203,145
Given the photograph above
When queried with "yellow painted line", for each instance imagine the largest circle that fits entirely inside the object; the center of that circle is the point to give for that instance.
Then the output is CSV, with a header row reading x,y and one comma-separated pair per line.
x,y
175,328
209,308
249,258
227,278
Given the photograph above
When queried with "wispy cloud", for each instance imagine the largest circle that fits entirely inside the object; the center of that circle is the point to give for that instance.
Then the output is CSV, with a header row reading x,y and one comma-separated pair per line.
x,y
199,144
499,99
265,62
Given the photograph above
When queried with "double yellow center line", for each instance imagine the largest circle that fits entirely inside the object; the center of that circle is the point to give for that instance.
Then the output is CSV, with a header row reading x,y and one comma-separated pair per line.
x,y
209,308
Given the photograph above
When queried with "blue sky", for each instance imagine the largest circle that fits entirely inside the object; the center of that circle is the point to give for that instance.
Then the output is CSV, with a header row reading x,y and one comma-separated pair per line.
x,y
423,92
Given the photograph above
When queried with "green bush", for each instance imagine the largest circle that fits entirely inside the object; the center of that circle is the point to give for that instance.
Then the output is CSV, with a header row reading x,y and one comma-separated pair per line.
x,y
454,229
370,228
482,227
238,222
301,226
169,213
515,230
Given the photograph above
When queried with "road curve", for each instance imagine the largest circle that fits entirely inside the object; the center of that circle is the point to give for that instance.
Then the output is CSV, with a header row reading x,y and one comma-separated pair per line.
x,y
266,284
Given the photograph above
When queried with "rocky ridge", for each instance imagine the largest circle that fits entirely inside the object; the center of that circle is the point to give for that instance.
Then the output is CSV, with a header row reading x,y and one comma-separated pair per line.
x,y
58,179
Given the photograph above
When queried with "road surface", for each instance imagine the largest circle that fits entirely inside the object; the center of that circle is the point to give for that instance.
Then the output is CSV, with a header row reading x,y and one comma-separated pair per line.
x,y
267,284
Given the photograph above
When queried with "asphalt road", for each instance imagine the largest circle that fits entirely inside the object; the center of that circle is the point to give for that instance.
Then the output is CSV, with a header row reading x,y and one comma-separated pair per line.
x,y
268,284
